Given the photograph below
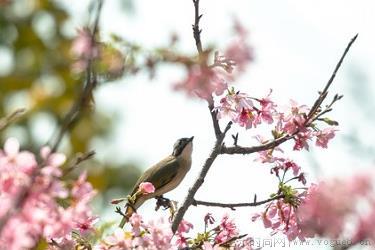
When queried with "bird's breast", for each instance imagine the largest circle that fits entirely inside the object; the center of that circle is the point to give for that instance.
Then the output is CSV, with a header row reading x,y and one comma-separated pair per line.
x,y
184,166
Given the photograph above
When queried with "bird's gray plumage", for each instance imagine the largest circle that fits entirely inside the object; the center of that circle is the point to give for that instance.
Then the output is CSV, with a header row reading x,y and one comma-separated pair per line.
x,y
166,175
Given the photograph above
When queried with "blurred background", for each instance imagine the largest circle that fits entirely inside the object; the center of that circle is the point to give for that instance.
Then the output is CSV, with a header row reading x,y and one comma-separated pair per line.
x,y
136,116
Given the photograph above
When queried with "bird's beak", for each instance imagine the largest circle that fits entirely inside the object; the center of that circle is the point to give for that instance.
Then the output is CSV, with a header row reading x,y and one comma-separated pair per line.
x,y
191,138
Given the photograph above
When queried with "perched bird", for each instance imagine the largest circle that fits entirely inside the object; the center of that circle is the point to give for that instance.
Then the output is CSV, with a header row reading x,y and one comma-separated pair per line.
x,y
166,175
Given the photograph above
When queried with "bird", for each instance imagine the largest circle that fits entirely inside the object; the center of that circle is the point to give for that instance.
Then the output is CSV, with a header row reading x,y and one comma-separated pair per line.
x,y
165,175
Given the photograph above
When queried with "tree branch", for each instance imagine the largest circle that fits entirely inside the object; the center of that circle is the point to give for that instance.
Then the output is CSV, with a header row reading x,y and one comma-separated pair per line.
x,y
324,93
215,122
4,122
90,83
196,30
310,116
78,160
259,148
197,37
199,181
234,205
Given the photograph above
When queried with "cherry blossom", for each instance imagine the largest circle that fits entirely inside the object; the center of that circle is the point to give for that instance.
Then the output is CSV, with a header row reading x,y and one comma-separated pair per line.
x,y
40,215
83,46
324,136
146,188
203,81
238,50
330,204
227,230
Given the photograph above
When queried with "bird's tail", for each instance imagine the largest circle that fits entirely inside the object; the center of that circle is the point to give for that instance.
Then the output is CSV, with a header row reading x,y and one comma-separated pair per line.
x,y
128,213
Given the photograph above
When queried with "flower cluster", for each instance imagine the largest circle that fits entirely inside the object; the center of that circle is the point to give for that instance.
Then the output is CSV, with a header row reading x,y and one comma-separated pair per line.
x,y
295,121
326,209
204,80
240,108
158,235
40,215
238,50
223,235
332,204
152,235
280,215
249,112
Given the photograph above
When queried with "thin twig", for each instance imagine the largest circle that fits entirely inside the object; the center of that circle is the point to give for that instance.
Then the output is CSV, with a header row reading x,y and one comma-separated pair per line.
x,y
196,30
324,93
234,205
253,149
4,122
215,122
90,83
78,160
197,37
228,242
235,139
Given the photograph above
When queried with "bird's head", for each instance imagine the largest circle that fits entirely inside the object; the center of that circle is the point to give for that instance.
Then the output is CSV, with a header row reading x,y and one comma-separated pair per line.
x,y
183,147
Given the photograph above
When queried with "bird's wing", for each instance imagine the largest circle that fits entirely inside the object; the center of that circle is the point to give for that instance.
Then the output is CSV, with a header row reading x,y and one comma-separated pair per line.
x,y
159,176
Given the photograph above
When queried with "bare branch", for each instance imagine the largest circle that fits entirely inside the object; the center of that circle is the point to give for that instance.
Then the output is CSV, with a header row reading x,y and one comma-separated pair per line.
x,y
197,37
90,83
250,150
196,30
78,160
215,122
4,122
324,93
234,205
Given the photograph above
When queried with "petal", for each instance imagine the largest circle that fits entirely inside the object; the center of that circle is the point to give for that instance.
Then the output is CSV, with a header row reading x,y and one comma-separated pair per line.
x,y
57,159
45,151
11,147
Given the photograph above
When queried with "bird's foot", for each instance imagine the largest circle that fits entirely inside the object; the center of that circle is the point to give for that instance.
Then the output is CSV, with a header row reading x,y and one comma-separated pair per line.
x,y
166,204
162,202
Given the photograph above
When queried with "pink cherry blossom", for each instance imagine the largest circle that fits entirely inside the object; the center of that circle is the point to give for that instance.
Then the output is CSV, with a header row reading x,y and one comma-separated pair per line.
x,y
323,136
295,117
301,139
245,118
40,216
281,216
267,111
238,50
116,241
83,46
332,203
184,227
84,49
227,230
146,188
203,82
